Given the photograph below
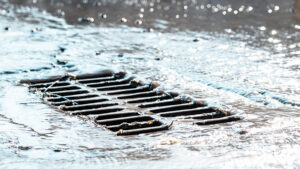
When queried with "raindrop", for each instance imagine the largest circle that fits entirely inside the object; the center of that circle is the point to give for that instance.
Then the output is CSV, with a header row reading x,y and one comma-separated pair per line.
x,y
249,9
273,32
270,11
123,20
138,22
241,9
262,28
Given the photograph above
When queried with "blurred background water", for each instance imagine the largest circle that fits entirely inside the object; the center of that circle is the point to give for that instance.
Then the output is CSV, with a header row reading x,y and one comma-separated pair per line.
x,y
239,53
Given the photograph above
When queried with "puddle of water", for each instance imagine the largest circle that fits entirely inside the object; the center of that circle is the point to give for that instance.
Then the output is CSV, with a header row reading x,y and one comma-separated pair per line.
x,y
233,53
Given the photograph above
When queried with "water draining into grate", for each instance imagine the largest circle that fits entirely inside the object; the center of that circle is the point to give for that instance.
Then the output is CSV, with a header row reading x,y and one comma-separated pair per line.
x,y
121,103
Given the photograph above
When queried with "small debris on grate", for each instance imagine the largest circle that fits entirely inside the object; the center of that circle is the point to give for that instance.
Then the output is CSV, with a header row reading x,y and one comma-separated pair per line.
x,y
123,104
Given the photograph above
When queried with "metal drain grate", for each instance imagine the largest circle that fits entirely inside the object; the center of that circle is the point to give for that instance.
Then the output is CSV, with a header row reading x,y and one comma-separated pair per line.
x,y
121,103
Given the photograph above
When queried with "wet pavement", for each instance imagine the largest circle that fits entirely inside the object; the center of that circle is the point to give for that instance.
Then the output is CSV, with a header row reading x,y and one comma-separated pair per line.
x,y
241,55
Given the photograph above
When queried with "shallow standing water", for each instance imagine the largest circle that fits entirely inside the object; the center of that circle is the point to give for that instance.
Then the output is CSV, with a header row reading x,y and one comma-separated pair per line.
x,y
241,54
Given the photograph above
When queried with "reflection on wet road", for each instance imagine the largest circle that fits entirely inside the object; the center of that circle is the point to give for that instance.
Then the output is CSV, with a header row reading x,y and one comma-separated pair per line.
x,y
237,53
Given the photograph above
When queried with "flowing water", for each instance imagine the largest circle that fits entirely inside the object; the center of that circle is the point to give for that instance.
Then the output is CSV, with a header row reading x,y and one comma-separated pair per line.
x,y
242,55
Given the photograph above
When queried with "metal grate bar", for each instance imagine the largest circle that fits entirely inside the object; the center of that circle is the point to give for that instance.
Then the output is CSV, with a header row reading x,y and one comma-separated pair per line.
x,y
98,80
73,97
176,107
80,101
116,115
162,103
130,126
68,92
42,85
218,120
97,111
110,83
139,95
149,99
60,88
130,91
124,120
117,87
87,106
142,130
187,112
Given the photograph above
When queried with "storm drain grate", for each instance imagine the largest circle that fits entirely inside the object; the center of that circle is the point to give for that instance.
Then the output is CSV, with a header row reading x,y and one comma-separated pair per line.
x,y
121,103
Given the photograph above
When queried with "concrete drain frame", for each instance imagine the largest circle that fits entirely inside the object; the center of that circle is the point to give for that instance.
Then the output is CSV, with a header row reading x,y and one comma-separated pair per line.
x,y
123,104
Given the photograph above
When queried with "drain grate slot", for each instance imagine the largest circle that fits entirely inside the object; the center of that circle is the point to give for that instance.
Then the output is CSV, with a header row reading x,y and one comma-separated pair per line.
x,y
117,121
149,99
162,103
80,96
80,101
110,83
208,115
139,95
57,89
188,112
97,111
130,91
118,102
98,80
68,92
130,126
218,120
142,130
49,84
117,87
102,74
87,106
176,107
116,115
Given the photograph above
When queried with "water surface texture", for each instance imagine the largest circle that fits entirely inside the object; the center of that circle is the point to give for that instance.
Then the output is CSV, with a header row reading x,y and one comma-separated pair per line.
x,y
238,54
